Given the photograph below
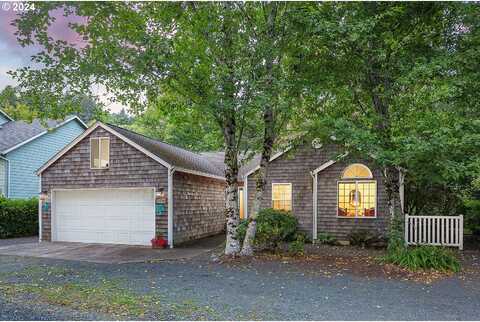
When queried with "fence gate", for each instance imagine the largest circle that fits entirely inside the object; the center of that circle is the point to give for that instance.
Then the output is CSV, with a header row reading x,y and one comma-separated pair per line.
x,y
434,230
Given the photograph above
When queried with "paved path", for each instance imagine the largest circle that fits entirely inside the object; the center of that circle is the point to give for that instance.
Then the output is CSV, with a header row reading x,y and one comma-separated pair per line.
x,y
277,290
18,241
102,253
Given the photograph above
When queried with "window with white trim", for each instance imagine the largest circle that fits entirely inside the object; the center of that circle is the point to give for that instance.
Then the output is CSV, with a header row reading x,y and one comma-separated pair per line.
x,y
282,196
99,153
357,193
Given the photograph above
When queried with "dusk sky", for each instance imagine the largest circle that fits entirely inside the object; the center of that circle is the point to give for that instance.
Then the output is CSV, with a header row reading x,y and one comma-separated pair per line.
x,y
13,56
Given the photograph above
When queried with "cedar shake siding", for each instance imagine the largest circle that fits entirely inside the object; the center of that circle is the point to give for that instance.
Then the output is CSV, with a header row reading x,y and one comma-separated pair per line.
x,y
295,167
128,168
199,207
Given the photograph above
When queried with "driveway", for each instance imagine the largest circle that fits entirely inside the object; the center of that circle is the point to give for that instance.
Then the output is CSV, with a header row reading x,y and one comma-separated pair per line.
x,y
205,288
107,253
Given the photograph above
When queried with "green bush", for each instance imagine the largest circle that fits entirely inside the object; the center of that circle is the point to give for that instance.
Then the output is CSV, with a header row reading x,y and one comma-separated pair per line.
x,y
362,237
424,257
420,257
472,216
297,247
18,217
326,238
273,227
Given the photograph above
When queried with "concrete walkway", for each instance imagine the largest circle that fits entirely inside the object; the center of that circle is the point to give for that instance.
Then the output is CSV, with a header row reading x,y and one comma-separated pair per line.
x,y
111,254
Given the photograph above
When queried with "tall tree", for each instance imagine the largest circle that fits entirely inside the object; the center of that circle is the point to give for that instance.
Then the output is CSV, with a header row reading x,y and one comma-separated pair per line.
x,y
139,51
389,72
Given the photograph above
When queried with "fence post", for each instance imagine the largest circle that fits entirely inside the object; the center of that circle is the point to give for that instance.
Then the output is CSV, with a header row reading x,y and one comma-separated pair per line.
x,y
406,230
460,233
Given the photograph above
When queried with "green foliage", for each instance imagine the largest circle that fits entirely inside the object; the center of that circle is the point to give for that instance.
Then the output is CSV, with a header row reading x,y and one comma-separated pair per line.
x,y
297,247
273,227
424,257
18,217
419,257
472,216
326,238
362,237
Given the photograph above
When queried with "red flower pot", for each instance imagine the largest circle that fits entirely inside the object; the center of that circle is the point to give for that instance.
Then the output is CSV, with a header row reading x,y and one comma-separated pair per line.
x,y
159,242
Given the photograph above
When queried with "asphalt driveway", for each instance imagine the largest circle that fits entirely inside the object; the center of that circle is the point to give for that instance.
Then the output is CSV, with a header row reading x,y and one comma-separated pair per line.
x,y
104,253
207,288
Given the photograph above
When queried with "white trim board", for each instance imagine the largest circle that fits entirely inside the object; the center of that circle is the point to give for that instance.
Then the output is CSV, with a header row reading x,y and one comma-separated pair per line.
x,y
272,158
6,115
43,133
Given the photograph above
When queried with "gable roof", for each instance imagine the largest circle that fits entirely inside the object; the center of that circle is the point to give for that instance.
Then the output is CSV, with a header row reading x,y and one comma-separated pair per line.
x,y
166,154
14,134
179,158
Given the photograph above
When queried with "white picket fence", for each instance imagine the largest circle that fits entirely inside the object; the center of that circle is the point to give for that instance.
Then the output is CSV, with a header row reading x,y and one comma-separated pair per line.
x,y
434,230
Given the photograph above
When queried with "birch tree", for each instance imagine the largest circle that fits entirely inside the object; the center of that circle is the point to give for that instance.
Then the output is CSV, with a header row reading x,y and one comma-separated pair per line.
x,y
141,52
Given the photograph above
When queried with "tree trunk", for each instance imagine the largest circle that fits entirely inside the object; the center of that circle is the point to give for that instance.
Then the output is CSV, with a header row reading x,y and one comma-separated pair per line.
x,y
391,189
232,246
268,136
261,180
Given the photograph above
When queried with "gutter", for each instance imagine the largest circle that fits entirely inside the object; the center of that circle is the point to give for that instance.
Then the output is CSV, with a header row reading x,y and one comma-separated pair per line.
x,y
171,171
8,175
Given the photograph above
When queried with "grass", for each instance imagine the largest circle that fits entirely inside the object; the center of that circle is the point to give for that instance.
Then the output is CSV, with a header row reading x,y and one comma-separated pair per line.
x,y
106,296
424,257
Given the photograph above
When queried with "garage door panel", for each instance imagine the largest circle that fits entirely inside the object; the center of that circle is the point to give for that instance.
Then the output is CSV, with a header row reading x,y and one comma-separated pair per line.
x,y
119,216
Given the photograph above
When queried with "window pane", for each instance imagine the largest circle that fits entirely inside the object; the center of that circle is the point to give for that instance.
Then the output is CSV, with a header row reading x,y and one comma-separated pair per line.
x,y
94,154
366,205
357,171
347,199
282,196
105,153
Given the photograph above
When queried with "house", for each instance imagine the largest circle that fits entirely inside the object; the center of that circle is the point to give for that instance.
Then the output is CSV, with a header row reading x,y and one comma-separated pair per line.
x,y
24,147
112,185
325,189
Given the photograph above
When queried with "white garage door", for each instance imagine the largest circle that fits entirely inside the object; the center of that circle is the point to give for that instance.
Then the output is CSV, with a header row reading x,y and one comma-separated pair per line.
x,y
110,216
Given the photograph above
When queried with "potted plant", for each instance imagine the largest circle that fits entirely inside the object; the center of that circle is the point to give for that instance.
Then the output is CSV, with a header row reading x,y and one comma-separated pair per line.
x,y
159,242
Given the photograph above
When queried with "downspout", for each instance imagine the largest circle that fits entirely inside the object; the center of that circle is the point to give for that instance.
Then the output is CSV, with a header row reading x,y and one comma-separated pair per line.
x,y
40,210
245,196
315,201
8,175
170,206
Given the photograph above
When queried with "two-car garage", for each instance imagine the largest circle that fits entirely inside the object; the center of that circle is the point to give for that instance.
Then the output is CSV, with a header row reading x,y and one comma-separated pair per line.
x,y
110,216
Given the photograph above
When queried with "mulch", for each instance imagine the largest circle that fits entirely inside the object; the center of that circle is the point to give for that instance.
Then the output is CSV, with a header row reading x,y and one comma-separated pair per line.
x,y
330,261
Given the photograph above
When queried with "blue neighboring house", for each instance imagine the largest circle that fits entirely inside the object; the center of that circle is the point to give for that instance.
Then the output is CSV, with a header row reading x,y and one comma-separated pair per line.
x,y
25,147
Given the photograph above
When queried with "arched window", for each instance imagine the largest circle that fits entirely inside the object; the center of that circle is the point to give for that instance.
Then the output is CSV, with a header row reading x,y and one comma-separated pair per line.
x,y
357,192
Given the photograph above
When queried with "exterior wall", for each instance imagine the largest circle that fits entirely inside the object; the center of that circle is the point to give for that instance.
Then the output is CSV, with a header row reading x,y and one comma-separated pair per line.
x,y
27,159
295,168
3,177
199,207
128,168
328,222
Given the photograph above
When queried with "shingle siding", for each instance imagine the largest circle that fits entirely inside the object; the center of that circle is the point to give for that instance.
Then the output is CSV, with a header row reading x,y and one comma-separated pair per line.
x,y
199,207
295,167
25,161
128,168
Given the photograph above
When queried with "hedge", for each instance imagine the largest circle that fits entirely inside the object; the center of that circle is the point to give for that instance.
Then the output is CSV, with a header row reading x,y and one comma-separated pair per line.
x,y
18,217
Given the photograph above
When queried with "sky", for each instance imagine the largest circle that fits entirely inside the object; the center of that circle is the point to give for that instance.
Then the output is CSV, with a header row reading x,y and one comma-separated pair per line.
x,y
13,56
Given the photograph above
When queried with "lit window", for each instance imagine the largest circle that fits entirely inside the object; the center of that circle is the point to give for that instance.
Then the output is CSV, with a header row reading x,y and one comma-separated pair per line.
x,y
282,196
99,153
357,198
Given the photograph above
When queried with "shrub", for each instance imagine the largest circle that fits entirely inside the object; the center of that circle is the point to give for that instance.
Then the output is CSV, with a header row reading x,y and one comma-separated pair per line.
x,y
420,257
297,247
273,227
326,238
424,257
18,217
472,216
362,237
